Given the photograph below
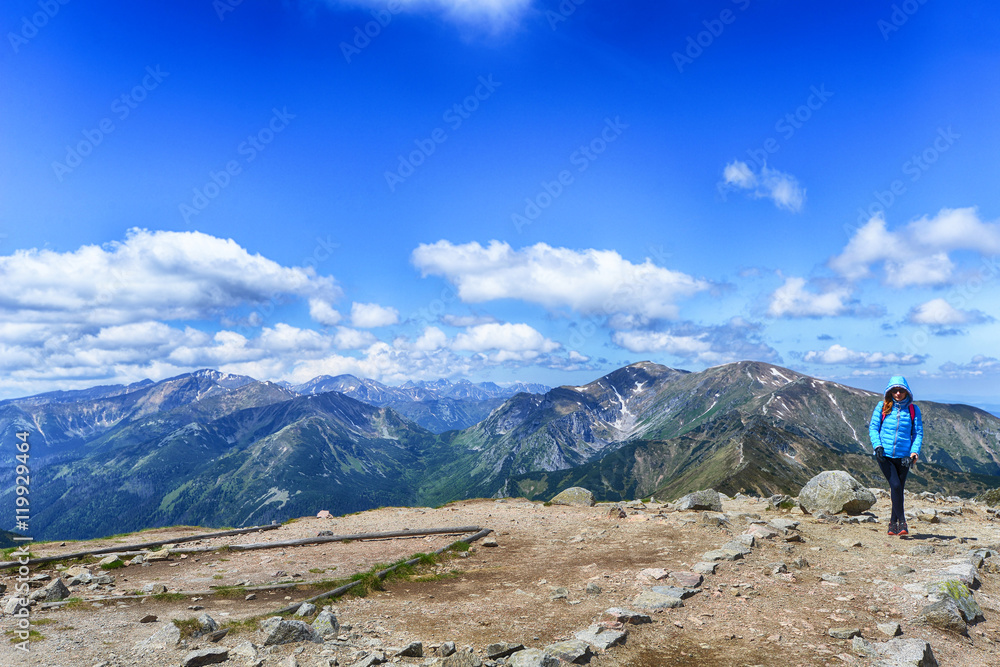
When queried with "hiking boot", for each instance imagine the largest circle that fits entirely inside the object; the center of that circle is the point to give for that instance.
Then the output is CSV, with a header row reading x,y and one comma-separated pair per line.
x,y
901,529
893,530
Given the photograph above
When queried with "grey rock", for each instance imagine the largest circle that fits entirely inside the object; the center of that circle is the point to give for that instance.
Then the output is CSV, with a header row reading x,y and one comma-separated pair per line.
x,y
53,592
722,554
559,593
206,624
326,624
447,648
844,633
736,545
532,657
945,615
964,572
835,491
412,650
903,570
707,499
675,591
244,652
502,649
572,651
168,636
890,629
154,589
651,600
593,588
704,568
208,656
490,541
281,631
896,652
369,660
601,637
784,524
833,578
963,597
575,495
305,609
462,659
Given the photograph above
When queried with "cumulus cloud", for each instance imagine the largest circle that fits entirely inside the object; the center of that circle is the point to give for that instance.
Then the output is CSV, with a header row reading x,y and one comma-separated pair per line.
x,y
840,355
371,315
352,339
940,313
589,281
505,342
149,276
793,300
781,188
466,320
978,366
736,340
323,312
919,253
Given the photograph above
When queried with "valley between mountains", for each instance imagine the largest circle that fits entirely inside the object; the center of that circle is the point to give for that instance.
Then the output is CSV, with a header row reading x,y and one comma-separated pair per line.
x,y
213,449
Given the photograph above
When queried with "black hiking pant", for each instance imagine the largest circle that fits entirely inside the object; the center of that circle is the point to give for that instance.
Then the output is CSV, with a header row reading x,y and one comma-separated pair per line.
x,y
895,473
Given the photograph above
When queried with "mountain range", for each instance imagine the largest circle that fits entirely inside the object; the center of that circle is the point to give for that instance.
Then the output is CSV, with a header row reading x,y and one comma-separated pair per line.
x,y
216,449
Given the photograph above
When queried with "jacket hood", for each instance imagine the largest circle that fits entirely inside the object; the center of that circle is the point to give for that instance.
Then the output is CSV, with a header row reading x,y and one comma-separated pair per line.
x,y
898,381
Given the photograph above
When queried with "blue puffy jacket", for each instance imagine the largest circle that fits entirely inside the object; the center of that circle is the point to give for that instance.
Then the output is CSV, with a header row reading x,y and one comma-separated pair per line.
x,y
899,435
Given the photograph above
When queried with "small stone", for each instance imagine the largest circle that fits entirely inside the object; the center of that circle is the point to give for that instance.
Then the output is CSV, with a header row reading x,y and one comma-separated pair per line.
x,y
447,648
627,616
600,637
574,495
890,629
571,651
148,618
208,656
532,657
281,631
305,609
844,633
490,541
593,588
412,650
687,579
651,600
502,649
704,568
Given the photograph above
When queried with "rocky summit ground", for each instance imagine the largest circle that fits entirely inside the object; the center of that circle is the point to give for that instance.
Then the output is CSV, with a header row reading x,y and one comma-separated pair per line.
x,y
554,572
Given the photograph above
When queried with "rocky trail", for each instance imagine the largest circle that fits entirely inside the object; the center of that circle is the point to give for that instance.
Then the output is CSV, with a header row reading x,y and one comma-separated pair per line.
x,y
740,582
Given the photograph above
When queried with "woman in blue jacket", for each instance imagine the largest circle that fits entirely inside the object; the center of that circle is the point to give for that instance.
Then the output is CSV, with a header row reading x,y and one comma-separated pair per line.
x,y
896,432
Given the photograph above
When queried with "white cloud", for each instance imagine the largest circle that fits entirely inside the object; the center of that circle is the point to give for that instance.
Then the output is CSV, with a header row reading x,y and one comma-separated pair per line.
x,y
149,276
938,312
736,340
979,365
371,315
917,254
783,189
793,300
838,354
352,339
588,281
431,339
512,338
321,311
466,320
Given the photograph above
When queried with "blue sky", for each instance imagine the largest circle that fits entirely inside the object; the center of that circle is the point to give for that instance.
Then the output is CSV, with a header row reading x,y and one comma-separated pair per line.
x,y
499,190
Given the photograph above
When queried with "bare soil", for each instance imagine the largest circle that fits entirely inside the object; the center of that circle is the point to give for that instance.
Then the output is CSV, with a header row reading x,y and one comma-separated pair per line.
x,y
743,615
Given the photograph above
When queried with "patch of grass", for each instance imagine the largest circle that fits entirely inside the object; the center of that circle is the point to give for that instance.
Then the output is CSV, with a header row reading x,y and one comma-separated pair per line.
x,y
787,505
458,546
43,621
187,626
230,591
244,626
547,503
217,576
169,597
451,574
113,566
73,602
33,636
224,549
317,570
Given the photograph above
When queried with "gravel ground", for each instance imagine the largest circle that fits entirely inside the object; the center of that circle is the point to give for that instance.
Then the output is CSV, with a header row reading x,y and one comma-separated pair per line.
x,y
742,616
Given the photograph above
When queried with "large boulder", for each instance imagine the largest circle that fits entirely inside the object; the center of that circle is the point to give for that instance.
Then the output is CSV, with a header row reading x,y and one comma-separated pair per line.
x,y
575,495
835,491
706,499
